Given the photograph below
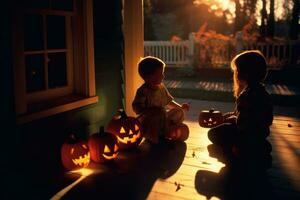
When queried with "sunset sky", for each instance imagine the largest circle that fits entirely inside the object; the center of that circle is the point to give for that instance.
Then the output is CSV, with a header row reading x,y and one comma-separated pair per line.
x,y
222,5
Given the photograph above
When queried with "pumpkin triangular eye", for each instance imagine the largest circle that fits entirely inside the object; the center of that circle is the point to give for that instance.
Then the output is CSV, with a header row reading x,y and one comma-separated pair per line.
x,y
84,146
106,149
72,151
116,148
122,130
136,127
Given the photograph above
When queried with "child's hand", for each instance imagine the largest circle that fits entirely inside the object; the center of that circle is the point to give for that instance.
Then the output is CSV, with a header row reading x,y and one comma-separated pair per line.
x,y
228,115
232,119
185,106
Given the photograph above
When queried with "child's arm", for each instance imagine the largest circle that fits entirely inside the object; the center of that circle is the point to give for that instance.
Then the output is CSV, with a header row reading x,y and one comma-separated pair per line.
x,y
139,102
230,117
174,104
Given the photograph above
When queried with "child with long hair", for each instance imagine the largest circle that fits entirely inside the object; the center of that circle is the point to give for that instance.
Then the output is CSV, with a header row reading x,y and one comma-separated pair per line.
x,y
243,134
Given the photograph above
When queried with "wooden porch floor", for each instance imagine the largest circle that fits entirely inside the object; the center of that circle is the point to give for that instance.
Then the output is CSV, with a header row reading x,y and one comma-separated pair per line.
x,y
186,171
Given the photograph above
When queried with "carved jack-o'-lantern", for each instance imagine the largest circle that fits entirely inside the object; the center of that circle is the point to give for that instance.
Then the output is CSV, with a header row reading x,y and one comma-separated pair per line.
x,y
75,154
210,118
127,129
103,146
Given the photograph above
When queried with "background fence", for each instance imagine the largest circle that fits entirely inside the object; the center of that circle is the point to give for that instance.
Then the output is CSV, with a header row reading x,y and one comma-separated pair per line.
x,y
173,53
217,53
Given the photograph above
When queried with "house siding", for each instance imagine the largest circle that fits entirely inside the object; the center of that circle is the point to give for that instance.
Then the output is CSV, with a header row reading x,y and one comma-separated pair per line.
x,y
40,141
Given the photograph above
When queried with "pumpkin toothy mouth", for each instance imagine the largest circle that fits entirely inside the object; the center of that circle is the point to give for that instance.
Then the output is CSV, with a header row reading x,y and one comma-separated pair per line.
x,y
210,122
82,161
127,140
110,157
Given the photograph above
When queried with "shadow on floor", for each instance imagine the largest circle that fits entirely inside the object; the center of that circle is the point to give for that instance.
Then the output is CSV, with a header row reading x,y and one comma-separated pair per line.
x,y
133,174
130,176
234,181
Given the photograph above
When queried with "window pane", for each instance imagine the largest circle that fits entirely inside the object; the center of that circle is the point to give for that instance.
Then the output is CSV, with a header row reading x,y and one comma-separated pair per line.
x,y
56,32
33,32
66,5
37,4
35,73
57,70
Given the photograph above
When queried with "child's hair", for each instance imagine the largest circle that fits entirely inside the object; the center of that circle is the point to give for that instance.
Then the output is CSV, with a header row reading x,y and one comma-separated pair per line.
x,y
249,66
148,65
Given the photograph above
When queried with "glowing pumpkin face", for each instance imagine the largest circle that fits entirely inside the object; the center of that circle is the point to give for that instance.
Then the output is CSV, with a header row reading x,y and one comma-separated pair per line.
x,y
127,129
75,154
210,118
103,146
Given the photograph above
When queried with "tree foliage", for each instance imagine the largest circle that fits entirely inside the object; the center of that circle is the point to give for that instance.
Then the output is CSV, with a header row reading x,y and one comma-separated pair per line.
x,y
294,26
180,17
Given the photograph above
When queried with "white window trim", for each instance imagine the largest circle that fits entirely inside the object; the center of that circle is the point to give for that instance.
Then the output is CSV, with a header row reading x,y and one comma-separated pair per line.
x,y
84,69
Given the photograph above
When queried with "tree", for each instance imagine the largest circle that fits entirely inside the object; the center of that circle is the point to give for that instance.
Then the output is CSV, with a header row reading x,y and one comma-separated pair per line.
x,y
148,24
238,23
271,20
264,18
294,26
252,6
249,7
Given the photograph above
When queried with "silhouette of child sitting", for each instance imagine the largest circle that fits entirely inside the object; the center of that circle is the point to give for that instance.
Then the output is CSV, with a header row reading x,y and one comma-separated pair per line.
x,y
243,135
151,102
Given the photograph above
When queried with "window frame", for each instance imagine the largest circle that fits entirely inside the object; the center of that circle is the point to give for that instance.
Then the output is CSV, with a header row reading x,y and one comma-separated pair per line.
x,y
49,93
83,91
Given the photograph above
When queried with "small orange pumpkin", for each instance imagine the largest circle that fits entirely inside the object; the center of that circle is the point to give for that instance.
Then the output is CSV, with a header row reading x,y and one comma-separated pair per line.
x,y
103,146
178,132
75,154
127,129
210,118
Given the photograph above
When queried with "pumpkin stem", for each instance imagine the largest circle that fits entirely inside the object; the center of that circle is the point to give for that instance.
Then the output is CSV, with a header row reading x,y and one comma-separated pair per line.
x,y
122,113
211,110
101,130
72,138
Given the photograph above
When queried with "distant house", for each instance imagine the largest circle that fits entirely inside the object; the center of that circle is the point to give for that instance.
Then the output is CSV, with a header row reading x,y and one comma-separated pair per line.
x,y
66,66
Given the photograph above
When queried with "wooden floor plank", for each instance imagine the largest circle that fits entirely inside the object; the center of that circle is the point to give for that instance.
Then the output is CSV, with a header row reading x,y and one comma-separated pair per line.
x,y
284,175
185,192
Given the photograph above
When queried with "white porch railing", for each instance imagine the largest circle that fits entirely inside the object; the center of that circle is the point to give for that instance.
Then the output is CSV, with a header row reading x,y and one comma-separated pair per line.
x,y
172,53
276,53
217,53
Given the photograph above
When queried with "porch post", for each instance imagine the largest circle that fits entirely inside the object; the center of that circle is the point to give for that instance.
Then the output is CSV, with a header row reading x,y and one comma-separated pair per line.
x,y
134,48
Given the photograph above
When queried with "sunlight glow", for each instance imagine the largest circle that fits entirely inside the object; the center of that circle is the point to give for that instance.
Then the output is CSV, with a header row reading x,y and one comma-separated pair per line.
x,y
214,7
217,6
285,146
196,158
84,171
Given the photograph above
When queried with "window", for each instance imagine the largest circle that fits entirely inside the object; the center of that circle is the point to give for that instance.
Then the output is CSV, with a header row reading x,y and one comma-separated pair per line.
x,y
53,57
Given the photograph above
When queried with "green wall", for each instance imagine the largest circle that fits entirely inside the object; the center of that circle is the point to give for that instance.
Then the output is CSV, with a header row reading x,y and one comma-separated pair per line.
x,y
37,144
